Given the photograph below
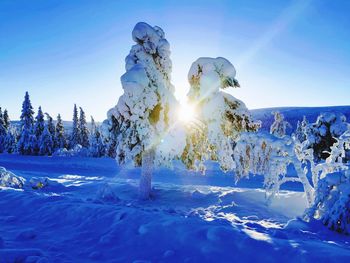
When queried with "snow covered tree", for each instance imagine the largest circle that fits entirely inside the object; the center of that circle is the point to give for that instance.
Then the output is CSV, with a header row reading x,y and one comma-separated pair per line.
x,y
322,134
84,131
60,140
45,142
301,130
110,129
97,147
6,119
145,113
332,193
279,126
270,156
11,140
3,132
39,127
26,140
220,117
75,136
50,124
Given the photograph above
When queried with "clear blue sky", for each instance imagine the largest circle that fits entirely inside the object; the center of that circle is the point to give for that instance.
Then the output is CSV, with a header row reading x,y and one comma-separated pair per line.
x,y
287,53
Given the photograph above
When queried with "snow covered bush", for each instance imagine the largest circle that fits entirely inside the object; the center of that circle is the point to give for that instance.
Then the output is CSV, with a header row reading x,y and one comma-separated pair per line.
x,y
146,112
220,117
8,179
76,151
332,195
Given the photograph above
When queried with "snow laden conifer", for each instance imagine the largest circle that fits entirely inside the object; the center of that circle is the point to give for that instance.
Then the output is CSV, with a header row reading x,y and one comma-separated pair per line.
x,y
84,131
301,130
3,132
322,134
220,117
110,129
279,126
60,140
39,127
27,137
45,142
97,147
146,112
11,140
75,136
50,124
332,188
6,119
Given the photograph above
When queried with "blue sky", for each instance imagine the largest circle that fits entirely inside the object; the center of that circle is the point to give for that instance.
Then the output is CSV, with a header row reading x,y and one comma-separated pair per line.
x,y
287,53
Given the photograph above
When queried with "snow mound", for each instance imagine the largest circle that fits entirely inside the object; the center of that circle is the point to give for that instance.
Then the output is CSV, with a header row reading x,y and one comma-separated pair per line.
x,y
77,150
8,179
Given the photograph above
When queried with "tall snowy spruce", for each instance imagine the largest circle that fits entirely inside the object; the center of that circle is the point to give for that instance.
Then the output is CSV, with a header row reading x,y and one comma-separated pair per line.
x,y
50,124
60,140
75,136
84,131
45,142
6,119
3,132
27,137
10,140
97,147
220,117
146,111
38,129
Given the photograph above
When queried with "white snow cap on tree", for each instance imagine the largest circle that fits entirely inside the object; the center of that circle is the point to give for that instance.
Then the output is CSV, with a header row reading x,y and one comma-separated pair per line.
x,y
146,111
222,115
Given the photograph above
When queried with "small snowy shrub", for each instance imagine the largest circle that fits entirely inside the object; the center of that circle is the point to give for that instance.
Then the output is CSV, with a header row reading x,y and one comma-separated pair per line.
x,y
77,151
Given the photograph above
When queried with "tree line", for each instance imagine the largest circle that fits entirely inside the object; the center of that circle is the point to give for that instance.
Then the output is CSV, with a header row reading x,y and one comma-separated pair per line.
x,y
41,135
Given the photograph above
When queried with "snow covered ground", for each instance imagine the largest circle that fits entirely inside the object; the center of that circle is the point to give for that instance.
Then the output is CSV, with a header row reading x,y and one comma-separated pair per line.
x,y
90,212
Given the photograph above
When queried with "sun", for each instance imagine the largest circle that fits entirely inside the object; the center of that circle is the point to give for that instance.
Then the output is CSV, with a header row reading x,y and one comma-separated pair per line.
x,y
186,112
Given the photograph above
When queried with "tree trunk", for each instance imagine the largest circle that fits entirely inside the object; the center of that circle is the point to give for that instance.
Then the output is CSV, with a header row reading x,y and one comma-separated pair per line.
x,y
146,174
